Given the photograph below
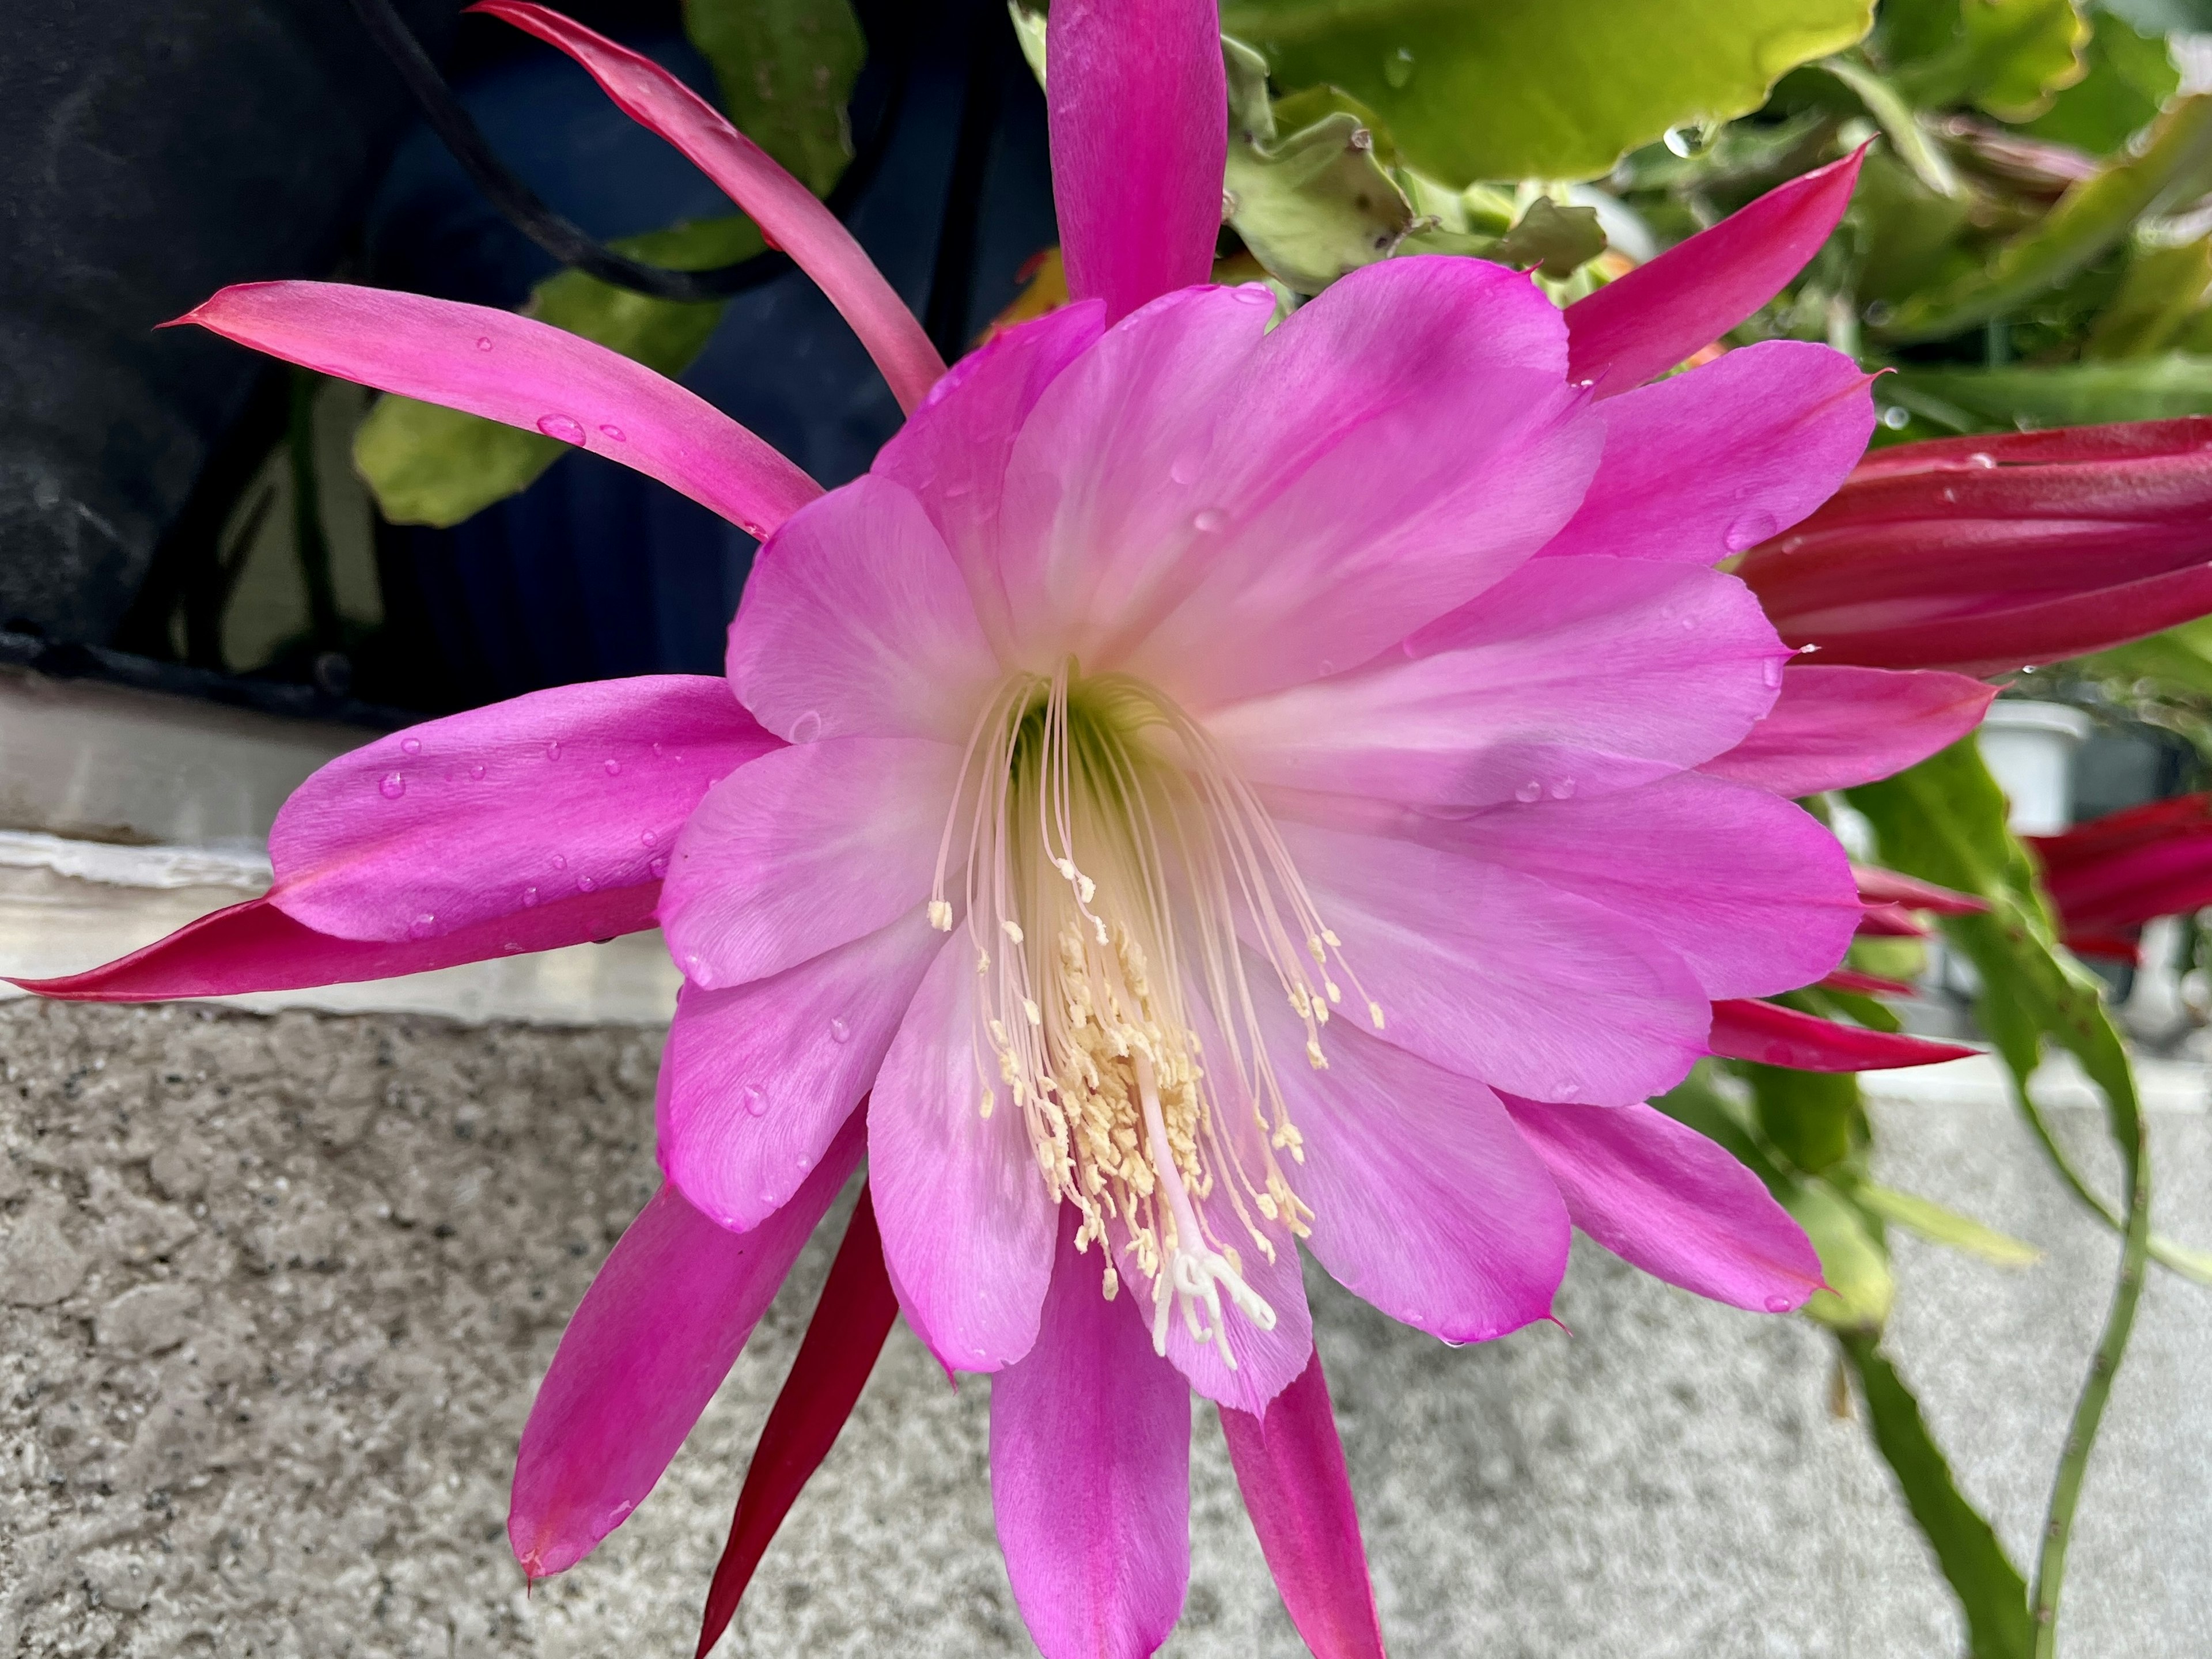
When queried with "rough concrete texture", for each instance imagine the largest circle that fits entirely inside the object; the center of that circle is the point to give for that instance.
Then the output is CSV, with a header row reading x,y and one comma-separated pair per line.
x,y
278,1292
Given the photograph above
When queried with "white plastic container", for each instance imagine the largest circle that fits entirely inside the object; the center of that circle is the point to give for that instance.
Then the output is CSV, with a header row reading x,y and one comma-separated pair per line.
x,y
2029,749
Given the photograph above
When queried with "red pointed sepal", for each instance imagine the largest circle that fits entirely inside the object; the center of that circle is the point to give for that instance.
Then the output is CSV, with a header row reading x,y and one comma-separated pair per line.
x,y
1775,1035
839,1350
1908,892
1290,1465
255,946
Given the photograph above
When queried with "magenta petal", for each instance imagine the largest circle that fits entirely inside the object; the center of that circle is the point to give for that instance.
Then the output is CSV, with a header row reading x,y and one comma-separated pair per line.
x,y
1138,142
807,849
521,373
1091,1474
651,1340
500,810
1663,1197
1752,891
754,1080
1493,974
1427,1202
1289,1466
255,946
1833,727
856,622
967,1223
1657,315
1710,462
789,215
1775,1035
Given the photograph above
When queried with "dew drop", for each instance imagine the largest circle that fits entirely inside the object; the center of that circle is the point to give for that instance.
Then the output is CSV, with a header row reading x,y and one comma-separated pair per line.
x,y
1328,665
839,1031
477,771
1528,790
1563,789
420,926
656,751
1778,1304
1896,418
529,896
805,1163
1748,530
392,787
807,727
560,861
755,1103
614,769
1398,67
561,427
1566,1089
1208,519
614,433
483,343
1180,470
585,885
1690,142
553,750
659,866
646,838
1978,458
411,745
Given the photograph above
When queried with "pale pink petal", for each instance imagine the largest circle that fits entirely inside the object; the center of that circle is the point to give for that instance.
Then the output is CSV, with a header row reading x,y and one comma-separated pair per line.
x,y
1136,99
499,809
1425,1201
1650,319
1290,1467
1833,727
1571,678
1663,1197
255,946
521,373
967,1223
856,622
1223,514
754,1080
1498,977
788,214
1704,464
653,1340
952,454
810,848
1751,891
1091,1474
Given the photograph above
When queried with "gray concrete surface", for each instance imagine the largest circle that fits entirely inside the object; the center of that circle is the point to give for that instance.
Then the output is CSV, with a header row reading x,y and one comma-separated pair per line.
x,y
277,1291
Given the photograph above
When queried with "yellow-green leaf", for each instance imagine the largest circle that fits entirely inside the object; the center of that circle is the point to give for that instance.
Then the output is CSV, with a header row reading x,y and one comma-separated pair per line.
x,y
1938,1225
2163,286
786,69
2008,57
2131,76
1559,90
1852,1259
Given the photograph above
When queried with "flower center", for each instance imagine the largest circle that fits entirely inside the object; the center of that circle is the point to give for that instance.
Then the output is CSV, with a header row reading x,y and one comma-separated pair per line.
x,y
1119,878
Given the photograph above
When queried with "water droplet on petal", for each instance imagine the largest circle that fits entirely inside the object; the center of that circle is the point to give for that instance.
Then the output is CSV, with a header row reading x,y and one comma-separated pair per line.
x,y
1528,790
561,427
1566,1089
1181,470
560,861
1328,665
754,1102
1398,67
585,885
1563,789
392,787
614,769
1978,458
483,343
839,1031
658,867
646,838
420,926
553,750
1207,520
1779,1304
615,434
656,751
411,745
805,1163
1748,530
529,896
807,727
477,771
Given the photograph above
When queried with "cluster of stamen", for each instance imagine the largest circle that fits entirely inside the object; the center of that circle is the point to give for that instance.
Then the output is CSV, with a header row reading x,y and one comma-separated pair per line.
x,y
1118,875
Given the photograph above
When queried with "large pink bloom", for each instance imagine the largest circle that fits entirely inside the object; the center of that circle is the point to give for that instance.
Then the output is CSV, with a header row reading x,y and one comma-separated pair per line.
x,y
1211,791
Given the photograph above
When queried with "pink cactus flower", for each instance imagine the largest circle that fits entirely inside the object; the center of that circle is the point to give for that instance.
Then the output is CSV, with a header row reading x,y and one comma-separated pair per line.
x,y
1214,792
